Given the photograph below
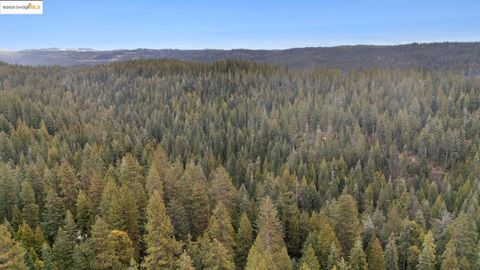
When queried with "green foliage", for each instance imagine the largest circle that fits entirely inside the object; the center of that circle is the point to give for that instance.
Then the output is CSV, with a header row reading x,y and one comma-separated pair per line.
x,y
357,259
346,222
269,244
309,259
375,255
427,259
53,214
11,253
449,257
63,250
305,161
243,240
184,262
391,254
162,248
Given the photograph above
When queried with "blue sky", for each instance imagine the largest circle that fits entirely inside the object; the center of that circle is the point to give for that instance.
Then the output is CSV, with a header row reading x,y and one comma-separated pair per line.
x,y
260,24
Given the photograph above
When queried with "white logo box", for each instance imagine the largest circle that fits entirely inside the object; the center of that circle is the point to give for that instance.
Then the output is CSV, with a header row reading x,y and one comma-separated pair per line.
x,y
21,7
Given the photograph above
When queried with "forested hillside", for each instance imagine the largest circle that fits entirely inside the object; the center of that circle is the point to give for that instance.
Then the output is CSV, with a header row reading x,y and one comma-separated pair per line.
x,y
234,165
463,57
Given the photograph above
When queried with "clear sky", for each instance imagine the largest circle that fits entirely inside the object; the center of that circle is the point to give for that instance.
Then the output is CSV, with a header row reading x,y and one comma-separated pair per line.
x,y
255,24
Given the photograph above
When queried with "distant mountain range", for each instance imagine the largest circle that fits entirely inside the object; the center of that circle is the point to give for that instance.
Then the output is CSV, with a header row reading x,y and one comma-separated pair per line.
x,y
463,57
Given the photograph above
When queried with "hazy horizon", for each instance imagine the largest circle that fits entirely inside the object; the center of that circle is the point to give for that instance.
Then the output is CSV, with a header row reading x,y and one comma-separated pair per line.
x,y
239,48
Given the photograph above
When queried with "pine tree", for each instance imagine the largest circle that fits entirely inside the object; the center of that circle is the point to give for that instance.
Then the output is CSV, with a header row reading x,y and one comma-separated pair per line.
x,y
80,259
32,240
122,247
256,261
218,257
162,248
184,262
68,184
321,237
375,255
108,249
244,240
222,189
153,180
180,220
412,258
52,215
100,254
309,259
119,210
70,227
84,214
449,257
196,203
110,209
357,259
220,227
427,260
62,250
464,231
391,255
334,257
8,196
30,208
269,242
131,176
347,222
11,253
304,266
95,191
48,257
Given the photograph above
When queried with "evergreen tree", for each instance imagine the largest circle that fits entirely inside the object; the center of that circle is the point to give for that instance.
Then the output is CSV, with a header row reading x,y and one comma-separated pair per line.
x,y
269,242
100,254
244,240
122,247
334,257
322,239
256,261
131,176
449,257
464,232
52,215
63,250
222,189
162,248
347,222
309,259
180,220
11,253
84,214
70,227
30,208
427,260
48,257
375,255
391,255
220,227
197,203
218,257
357,259
412,259
80,259
68,184
153,180
184,262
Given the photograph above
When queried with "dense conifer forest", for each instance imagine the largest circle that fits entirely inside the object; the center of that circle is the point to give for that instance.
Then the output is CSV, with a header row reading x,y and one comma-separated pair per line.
x,y
161,164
